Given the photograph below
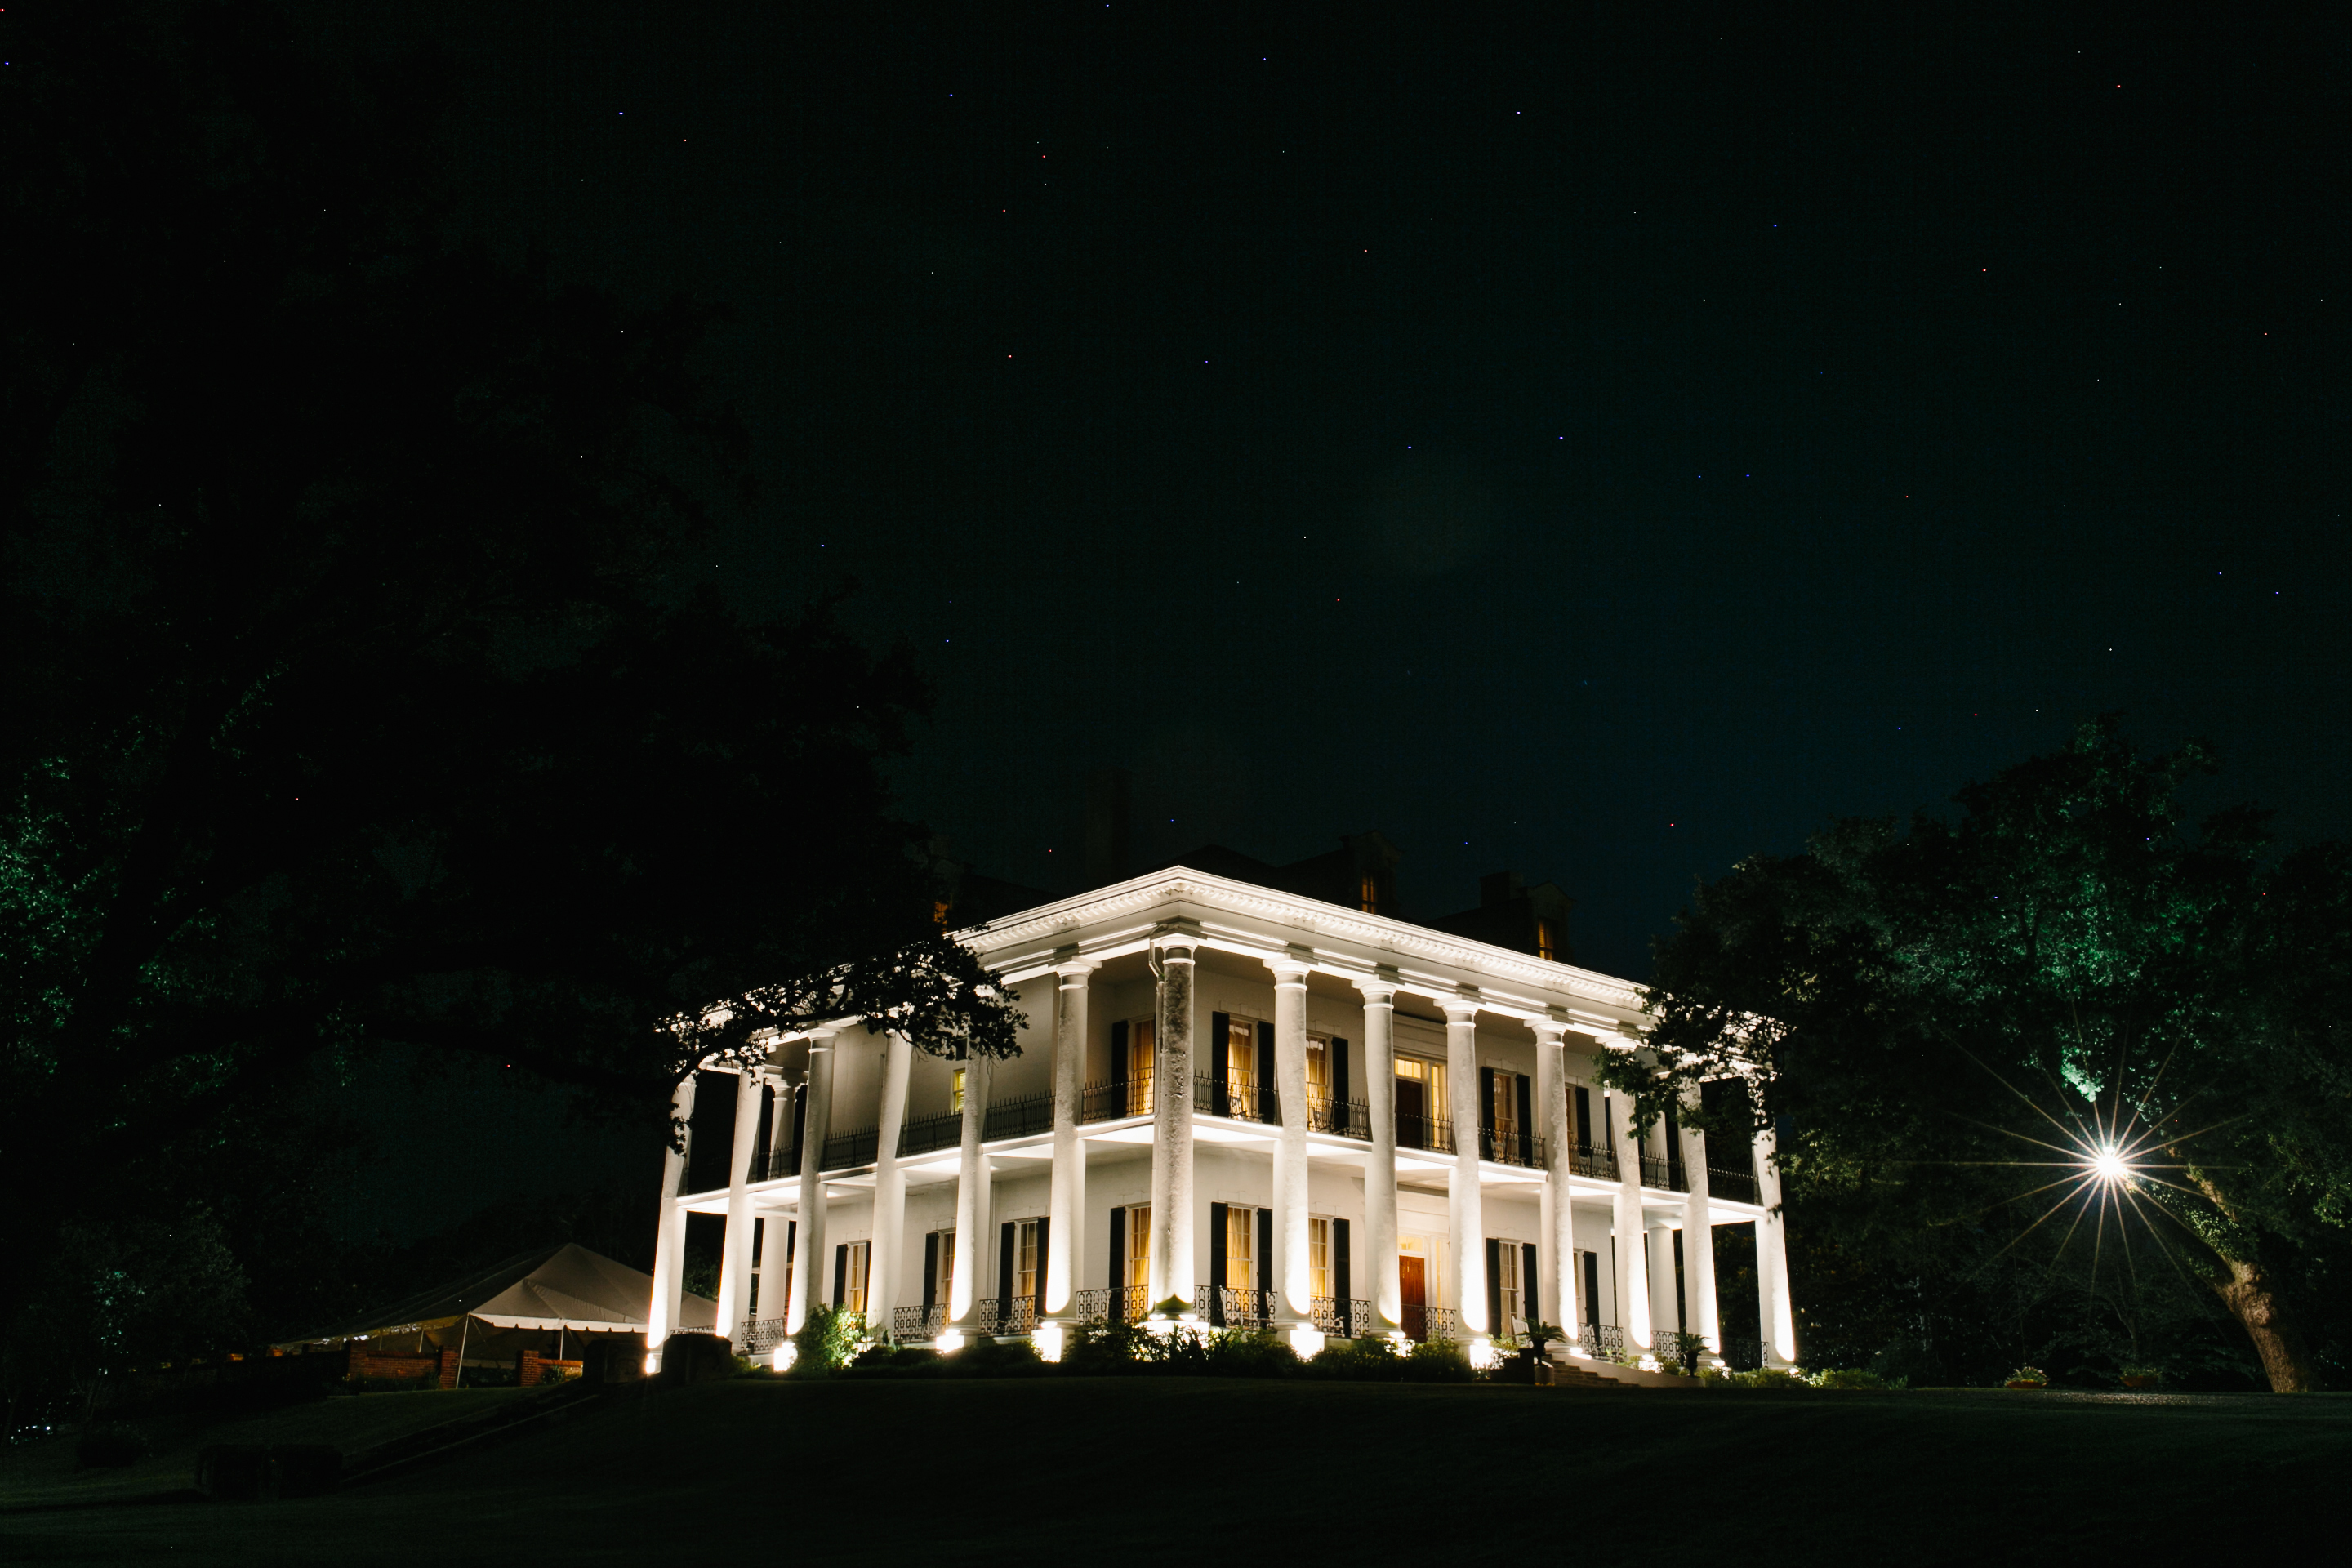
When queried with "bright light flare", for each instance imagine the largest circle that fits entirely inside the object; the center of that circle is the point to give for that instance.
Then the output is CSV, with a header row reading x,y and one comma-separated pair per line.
x,y
2109,1165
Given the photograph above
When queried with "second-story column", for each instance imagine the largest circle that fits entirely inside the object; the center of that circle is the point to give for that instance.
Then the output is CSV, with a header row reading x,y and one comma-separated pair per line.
x,y
735,1250
670,1242
1294,1305
1465,1207
1172,1272
809,1270
972,1204
1776,1312
1632,1269
1698,1238
1066,1205
1555,1257
888,1250
1383,1283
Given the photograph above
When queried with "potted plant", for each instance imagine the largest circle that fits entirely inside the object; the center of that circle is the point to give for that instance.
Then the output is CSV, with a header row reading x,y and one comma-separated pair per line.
x,y
2028,1377
2142,1376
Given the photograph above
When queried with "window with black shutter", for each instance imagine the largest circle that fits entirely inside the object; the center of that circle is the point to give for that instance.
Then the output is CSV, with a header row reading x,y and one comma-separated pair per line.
x,y
1530,1284
1217,1222
1342,1283
1269,1102
1220,1064
1005,1240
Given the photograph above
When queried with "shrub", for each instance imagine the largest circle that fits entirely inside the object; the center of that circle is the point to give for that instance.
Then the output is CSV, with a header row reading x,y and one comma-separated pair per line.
x,y
1438,1361
828,1337
1101,1349
1767,1377
995,1358
109,1445
1858,1377
1358,1360
1252,1352
2029,1375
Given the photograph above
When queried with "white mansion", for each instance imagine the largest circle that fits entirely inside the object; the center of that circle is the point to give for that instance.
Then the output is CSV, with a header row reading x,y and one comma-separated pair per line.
x,y
1283,1110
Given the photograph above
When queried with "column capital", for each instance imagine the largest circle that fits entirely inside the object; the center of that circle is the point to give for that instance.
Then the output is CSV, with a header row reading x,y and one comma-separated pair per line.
x,y
1463,1006
1073,971
1380,990
1290,970
1549,1031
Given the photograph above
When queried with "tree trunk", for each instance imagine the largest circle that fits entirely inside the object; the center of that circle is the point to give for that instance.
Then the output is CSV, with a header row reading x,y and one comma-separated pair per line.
x,y
2247,1292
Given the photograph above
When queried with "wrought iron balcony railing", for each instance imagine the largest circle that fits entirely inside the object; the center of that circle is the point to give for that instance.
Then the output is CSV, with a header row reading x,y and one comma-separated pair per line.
x,y
1351,1319
1019,1118
1115,1098
1599,1163
1005,1315
783,1162
920,1323
925,1134
1743,1354
1431,1323
1341,1118
845,1150
1237,1095
762,1335
1509,1148
1431,1133
1666,1174
1739,1186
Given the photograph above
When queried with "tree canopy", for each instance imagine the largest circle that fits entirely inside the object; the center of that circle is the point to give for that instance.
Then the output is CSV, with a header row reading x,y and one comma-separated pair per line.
x,y
1947,1022
369,679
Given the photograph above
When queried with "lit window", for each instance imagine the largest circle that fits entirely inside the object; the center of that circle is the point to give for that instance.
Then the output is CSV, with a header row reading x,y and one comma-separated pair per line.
x,y
1025,1259
1241,1244
1368,894
1139,1247
1507,1286
853,1294
1319,1257
1138,1067
1319,1068
1506,1105
1547,944
955,1094
944,1281
1241,1069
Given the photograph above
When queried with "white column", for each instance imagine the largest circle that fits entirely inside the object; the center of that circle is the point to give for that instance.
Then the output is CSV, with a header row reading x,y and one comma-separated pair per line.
x,y
670,1242
1556,1250
1289,1269
888,1250
1698,1238
1172,1265
776,1245
1381,1282
1775,1310
1663,1318
735,1252
1464,1205
810,1273
1065,1207
1633,1273
971,1203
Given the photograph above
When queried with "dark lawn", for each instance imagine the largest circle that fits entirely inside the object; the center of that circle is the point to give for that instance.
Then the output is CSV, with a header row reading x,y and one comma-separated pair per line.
x,y
1192,1471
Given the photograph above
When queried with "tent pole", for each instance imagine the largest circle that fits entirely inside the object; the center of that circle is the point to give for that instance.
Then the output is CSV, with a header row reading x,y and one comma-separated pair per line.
x,y
464,1329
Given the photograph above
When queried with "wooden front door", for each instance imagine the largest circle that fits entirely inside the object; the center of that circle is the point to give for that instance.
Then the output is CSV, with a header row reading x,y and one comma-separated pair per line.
x,y
1412,1115
1412,1278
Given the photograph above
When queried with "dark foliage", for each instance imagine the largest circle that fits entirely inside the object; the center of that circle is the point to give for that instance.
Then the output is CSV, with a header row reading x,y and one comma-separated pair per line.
x,y
1943,1019
368,684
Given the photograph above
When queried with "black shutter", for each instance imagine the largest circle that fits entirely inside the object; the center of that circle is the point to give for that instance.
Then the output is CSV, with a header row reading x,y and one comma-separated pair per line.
x,y
1342,1287
1494,1324
1530,1288
1485,1113
1527,1120
1592,1288
1608,1126
1118,1313
1118,1067
1217,1262
1004,1272
1045,1240
1221,1061
1269,1097
1265,1261
840,1270
800,1121
930,1274
760,1150
1340,1084
1583,1116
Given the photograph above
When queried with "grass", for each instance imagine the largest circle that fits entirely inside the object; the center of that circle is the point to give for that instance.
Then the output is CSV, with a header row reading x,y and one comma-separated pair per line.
x,y
1168,1471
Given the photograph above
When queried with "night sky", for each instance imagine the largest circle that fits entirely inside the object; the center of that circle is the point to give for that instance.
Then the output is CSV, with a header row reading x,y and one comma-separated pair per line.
x,y
1598,453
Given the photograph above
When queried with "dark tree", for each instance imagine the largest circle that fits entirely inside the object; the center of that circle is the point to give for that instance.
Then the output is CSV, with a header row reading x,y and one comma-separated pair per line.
x,y
368,676
1944,1017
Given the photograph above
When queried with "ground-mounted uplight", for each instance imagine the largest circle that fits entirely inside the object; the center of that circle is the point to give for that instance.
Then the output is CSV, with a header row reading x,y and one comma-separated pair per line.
x,y
786,1353
950,1341
1483,1354
1308,1341
1048,1340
